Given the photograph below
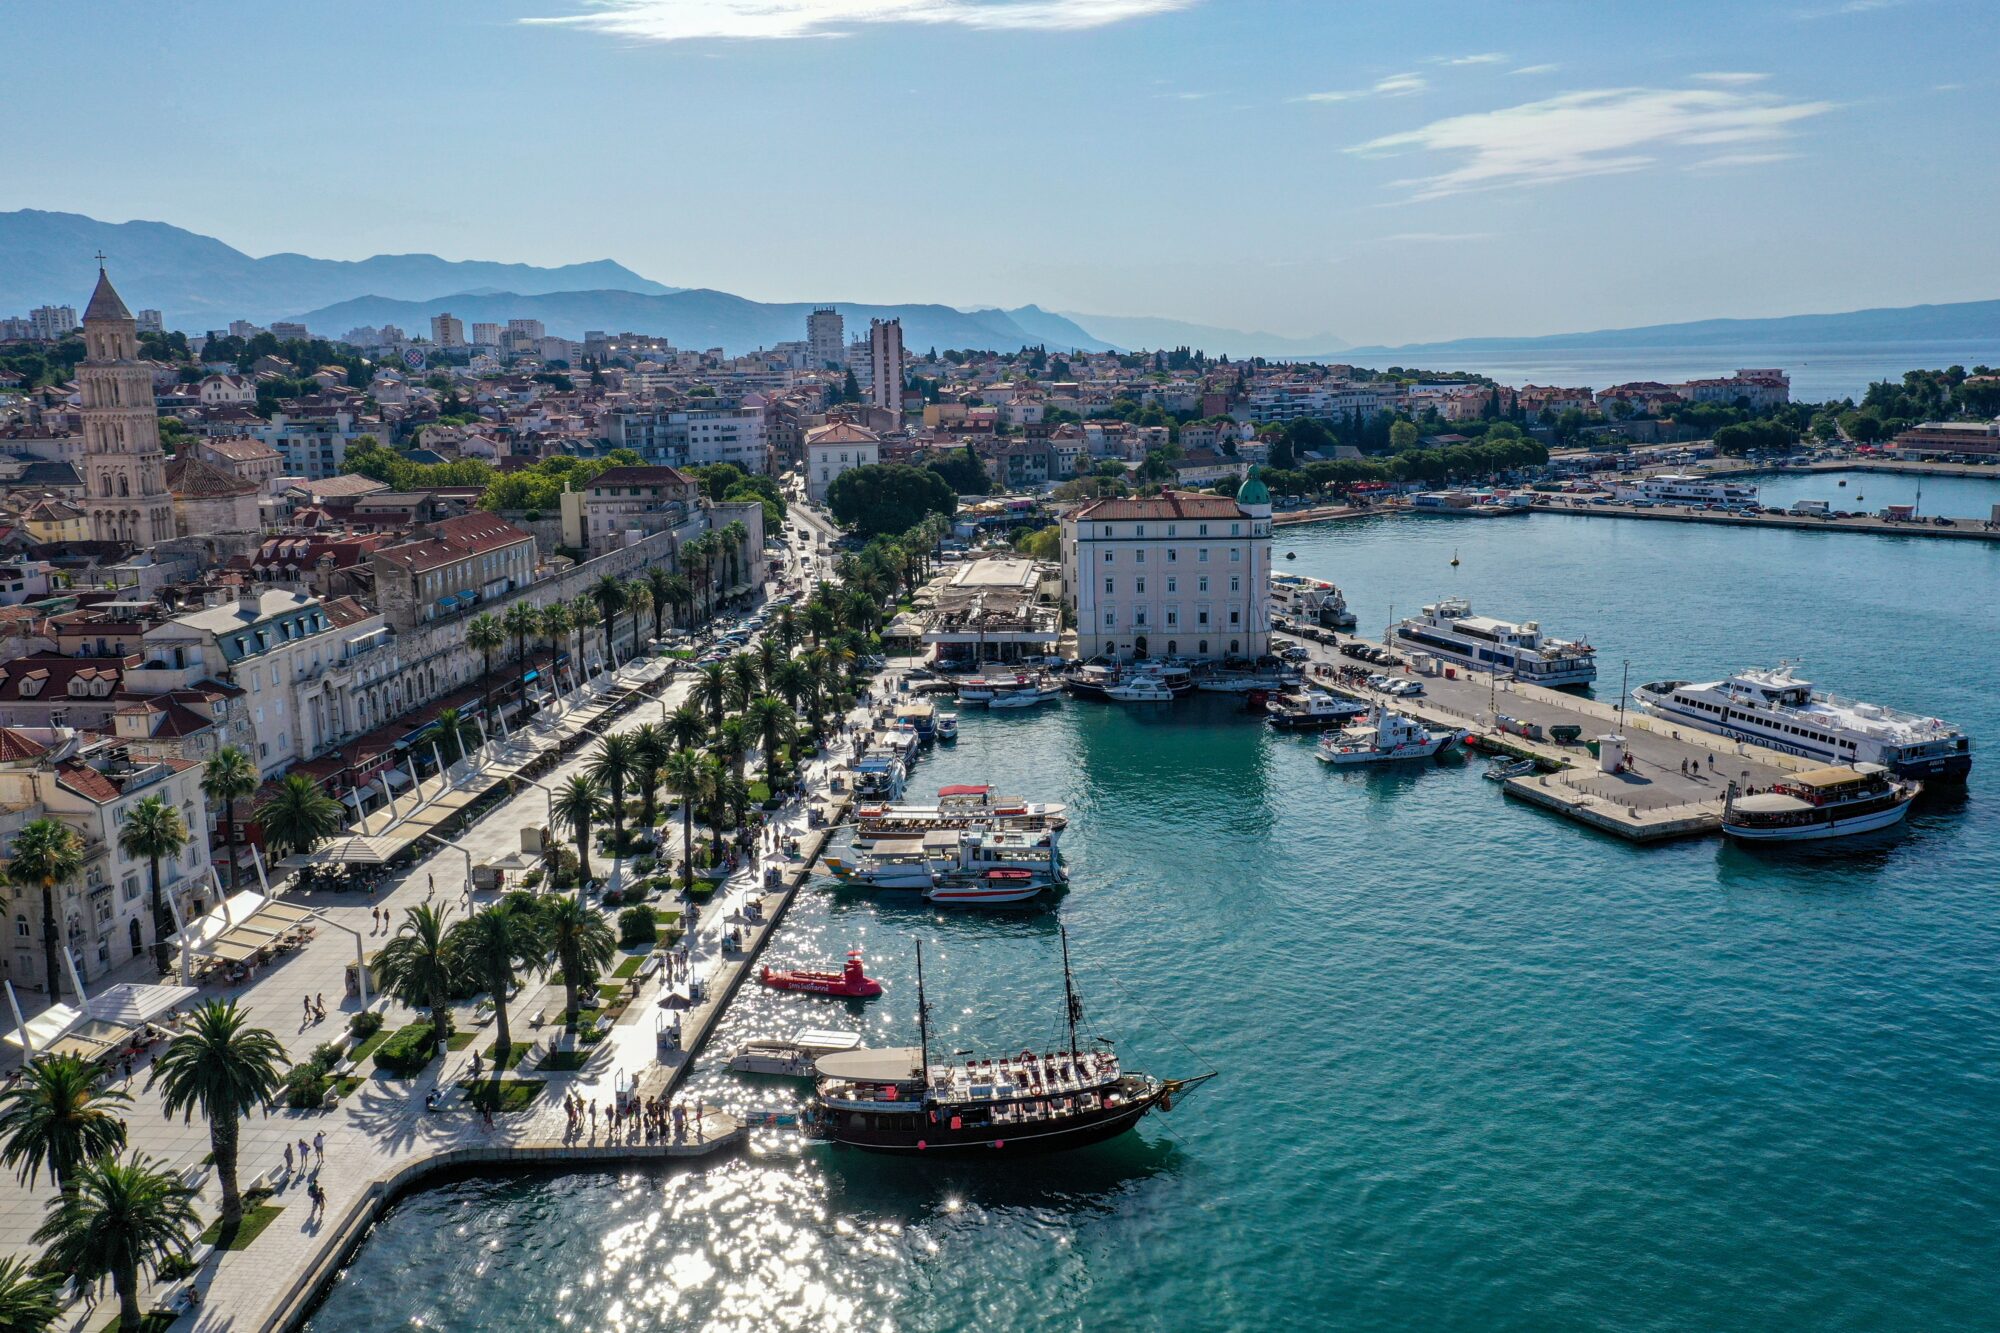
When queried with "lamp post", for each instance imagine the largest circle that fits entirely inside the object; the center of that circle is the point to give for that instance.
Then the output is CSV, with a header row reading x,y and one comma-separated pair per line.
x,y
1624,675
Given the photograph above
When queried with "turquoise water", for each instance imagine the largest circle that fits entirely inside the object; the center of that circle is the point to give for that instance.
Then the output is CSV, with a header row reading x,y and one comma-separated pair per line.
x,y
1481,1069
1954,497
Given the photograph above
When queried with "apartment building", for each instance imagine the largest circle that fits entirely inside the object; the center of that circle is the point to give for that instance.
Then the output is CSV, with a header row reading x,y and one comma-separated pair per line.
x,y
835,448
622,502
452,567
447,330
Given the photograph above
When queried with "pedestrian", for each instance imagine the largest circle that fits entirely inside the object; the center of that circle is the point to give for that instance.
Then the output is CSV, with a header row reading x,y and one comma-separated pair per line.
x,y
288,1159
319,1147
306,1000
431,891
319,1006
304,1148
317,1194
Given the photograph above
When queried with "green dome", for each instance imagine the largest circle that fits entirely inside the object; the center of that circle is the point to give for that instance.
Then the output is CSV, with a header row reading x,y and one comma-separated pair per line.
x,y
1253,491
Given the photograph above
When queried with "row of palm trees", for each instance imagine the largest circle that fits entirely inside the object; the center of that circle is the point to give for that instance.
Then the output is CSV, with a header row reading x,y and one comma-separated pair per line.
x,y
116,1215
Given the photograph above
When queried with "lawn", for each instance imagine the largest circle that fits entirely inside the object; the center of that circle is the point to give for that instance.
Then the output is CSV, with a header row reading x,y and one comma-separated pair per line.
x,y
256,1217
345,1085
563,1062
666,917
630,965
504,1094
458,1041
760,792
511,1056
367,1048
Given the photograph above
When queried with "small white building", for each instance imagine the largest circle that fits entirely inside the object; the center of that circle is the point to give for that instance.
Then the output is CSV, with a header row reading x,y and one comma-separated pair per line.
x,y
833,449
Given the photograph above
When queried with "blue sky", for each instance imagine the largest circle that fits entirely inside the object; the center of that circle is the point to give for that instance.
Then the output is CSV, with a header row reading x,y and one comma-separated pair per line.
x,y
1383,172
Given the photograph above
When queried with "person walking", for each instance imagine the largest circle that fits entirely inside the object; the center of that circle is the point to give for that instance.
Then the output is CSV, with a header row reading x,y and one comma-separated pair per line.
x,y
319,1147
304,1149
288,1159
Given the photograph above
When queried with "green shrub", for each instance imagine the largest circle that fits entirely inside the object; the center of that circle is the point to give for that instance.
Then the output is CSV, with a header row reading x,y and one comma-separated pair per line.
x,y
612,898
637,926
408,1051
305,1086
533,879
365,1024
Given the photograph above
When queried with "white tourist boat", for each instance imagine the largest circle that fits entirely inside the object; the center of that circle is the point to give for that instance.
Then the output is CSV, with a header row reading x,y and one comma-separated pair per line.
x,y
1777,710
1310,601
1140,689
796,1056
1687,488
1024,863
1389,737
880,776
962,806
947,727
1449,631
1016,691
1834,802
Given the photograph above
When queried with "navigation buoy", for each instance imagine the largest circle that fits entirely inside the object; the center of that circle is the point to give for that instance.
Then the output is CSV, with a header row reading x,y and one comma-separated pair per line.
x,y
1454,560
1291,555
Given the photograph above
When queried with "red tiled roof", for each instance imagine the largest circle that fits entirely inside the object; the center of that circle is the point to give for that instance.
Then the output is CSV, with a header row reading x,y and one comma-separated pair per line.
x,y
1168,504
15,745
86,781
455,539
641,476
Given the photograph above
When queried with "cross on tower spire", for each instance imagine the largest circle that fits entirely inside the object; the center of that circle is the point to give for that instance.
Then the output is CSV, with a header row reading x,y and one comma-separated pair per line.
x,y
100,261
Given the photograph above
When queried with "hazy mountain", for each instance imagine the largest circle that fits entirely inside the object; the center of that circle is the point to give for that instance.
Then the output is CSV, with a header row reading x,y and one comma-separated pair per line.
x,y
1147,332
1918,323
199,283
1058,333
696,319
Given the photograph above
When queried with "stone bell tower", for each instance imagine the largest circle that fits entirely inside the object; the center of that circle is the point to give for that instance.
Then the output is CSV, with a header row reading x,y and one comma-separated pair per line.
x,y
124,471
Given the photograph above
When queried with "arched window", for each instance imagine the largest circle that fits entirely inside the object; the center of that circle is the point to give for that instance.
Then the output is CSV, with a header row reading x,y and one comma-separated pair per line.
x,y
138,939
124,486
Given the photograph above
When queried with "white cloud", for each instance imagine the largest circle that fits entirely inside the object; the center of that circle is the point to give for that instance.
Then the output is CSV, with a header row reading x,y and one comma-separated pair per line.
x,y
1535,69
1729,78
1396,85
1484,58
1592,133
685,20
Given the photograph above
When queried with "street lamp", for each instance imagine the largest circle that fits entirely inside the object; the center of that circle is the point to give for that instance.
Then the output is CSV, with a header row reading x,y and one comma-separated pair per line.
x,y
1624,675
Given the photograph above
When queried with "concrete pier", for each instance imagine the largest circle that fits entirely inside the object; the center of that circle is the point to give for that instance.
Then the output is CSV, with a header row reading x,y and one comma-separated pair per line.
x,y
1963,529
1673,787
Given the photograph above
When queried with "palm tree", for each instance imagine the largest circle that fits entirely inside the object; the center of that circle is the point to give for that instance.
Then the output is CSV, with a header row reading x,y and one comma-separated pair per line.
x,y
581,939
119,1217
820,619
683,775
861,610
578,804
418,967
734,535
55,1116
789,680
744,679
638,601
451,729
484,633
583,614
28,1300
732,743
521,621
153,829
609,595
660,583
650,748
490,945
555,628
614,762
787,629
713,775
227,778
712,692
733,793
224,1069
686,727
299,816
772,720
47,852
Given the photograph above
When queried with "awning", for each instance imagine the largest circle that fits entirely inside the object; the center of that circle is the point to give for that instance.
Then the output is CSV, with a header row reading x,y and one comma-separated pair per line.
x,y
130,1004
230,953
397,777
353,798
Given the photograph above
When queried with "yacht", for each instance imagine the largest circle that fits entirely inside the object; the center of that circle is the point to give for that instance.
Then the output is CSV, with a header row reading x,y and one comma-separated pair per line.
x,y
1777,710
1688,488
796,1056
1449,631
1389,737
1310,601
1311,710
1140,688
1819,803
880,776
898,1101
947,727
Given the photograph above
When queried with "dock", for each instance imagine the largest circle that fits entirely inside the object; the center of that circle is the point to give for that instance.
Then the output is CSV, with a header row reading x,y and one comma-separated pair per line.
x,y
1652,799
1962,529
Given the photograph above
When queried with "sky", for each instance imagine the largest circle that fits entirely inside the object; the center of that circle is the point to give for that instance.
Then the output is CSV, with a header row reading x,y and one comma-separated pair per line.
x,y
1379,171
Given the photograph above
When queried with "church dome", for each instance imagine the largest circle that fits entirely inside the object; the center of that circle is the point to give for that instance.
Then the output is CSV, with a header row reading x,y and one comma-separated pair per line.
x,y
1253,491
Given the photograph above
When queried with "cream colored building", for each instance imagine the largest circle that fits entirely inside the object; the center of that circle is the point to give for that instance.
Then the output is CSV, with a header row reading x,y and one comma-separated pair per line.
x,y
833,449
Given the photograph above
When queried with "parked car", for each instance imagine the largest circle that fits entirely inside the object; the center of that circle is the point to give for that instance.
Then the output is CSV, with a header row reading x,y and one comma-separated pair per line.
x,y
1406,689
1378,681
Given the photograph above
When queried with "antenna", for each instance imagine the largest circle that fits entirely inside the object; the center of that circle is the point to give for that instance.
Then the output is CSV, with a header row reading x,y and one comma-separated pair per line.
x,y
1072,1006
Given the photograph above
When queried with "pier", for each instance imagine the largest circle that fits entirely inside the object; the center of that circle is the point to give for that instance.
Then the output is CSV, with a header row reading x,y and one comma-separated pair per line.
x,y
1962,529
1652,799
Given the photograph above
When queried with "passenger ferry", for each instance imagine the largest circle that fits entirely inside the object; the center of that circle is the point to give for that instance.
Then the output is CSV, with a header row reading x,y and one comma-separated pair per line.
x,y
1777,710
1311,601
961,806
898,1101
1820,803
932,863
1688,488
1448,630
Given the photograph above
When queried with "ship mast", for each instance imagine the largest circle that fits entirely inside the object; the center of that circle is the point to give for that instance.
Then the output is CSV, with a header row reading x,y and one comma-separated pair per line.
x,y
923,1020
1072,1006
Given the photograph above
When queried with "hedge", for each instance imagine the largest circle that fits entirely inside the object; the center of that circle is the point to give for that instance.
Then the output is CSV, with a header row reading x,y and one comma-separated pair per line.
x,y
408,1051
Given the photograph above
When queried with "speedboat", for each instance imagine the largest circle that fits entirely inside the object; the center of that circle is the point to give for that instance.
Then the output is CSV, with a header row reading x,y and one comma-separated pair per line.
x,y
1311,710
1024,695
1140,690
1391,736
986,888
796,1056
849,983
1819,803
947,727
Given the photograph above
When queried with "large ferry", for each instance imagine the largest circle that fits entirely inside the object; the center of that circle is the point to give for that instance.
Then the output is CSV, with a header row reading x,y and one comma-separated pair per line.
x,y
1777,710
1448,630
1310,601
1688,488
1820,803
898,1101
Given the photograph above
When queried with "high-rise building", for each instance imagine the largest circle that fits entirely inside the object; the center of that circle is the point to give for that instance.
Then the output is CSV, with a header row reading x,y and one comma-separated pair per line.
x,y
885,364
447,331
287,331
826,338
530,330
124,471
486,335
151,321
51,322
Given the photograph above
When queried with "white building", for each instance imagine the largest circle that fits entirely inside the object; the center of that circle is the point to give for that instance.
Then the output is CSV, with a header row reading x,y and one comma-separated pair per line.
x,y
1173,575
486,335
50,322
152,321
826,338
833,449
447,330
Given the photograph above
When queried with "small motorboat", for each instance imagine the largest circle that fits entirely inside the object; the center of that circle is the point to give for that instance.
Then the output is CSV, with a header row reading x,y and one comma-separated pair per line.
x,y
796,1057
990,886
848,983
947,727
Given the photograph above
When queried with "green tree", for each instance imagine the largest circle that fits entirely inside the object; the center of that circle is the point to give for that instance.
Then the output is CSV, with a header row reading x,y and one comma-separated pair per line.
x,y
615,761
583,614
578,804
711,691
650,748
609,595
225,1069
773,721
47,852
419,967
660,586
118,1218
57,1117
299,816
523,622
884,499
683,776
1402,436
29,1302
451,730
582,941
555,628
484,634
227,778
153,829
490,947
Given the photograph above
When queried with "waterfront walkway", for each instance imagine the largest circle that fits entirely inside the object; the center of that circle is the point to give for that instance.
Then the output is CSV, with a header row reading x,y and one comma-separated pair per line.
x,y
1963,529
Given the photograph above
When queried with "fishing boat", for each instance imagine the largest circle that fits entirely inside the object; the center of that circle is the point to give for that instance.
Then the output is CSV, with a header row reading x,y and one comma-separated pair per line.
x,y
1311,710
899,1101
850,983
796,1056
1835,802
1390,736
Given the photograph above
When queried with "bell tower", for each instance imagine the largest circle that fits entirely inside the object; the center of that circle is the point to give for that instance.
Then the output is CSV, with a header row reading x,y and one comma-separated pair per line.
x,y
124,471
